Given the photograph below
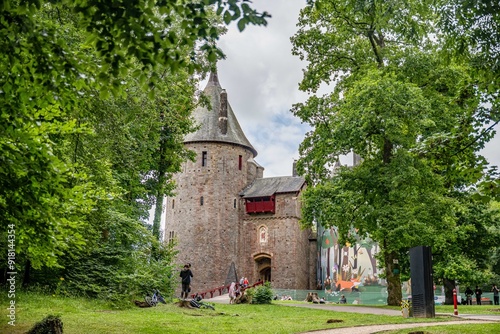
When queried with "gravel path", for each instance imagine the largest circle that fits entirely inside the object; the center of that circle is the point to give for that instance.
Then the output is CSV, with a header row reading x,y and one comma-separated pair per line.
x,y
380,328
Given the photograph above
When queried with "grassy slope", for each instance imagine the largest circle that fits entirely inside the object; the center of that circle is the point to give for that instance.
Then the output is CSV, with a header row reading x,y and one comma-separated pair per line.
x,y
92,316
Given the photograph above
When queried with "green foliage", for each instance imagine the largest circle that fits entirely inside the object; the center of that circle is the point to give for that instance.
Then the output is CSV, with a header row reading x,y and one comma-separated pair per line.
x,y
472,31
122,32
66,149
262,294
113,273
466,256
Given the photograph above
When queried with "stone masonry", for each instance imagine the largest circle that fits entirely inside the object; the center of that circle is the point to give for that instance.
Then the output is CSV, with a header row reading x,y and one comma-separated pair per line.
x,y
207,216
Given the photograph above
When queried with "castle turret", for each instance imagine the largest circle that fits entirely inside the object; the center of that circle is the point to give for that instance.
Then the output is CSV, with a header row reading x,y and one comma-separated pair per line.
x,y
204,213
210,120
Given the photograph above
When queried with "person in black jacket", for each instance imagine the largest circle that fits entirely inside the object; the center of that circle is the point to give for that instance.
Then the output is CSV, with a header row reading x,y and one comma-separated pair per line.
x,y
468,295
478,292
186,275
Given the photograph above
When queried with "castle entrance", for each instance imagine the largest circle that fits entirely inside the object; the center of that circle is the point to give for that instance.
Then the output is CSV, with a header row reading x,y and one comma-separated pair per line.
x,y
263,264
265,274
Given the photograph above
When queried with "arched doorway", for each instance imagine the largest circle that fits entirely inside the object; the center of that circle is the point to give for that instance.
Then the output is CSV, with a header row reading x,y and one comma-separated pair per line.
x,y
265,274
263,264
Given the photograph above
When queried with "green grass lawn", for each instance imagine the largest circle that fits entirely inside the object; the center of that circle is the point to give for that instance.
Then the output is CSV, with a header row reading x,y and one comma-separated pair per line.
x,y
84,316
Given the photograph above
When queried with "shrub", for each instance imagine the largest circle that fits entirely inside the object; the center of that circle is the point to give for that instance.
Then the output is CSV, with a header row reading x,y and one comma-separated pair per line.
x,y
263,294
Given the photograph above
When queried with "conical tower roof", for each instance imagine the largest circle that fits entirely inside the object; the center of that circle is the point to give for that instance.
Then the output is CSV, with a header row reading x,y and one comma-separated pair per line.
x,y
209,120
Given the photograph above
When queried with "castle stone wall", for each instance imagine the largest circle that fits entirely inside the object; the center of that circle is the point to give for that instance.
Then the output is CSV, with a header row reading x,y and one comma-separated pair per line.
x,y
286,245
208,233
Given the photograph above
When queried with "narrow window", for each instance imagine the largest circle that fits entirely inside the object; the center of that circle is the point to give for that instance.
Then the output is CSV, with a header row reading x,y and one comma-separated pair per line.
x,y
171,236
204,158
240,162
173,203
234,204
201,200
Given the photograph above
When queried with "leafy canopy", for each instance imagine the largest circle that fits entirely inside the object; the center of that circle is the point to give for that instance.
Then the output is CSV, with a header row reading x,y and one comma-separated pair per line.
x,y
413,117
60,61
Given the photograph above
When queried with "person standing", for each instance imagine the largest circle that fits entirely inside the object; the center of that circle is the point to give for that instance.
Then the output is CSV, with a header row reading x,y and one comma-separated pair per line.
x,y
468,295
186,275
478,292
495,294
232,292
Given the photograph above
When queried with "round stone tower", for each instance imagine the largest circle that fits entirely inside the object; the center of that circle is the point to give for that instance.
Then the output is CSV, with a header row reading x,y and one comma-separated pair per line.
x,y
204,214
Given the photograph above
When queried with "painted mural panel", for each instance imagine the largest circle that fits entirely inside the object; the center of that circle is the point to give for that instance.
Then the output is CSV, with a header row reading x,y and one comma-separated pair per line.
x,y
347,267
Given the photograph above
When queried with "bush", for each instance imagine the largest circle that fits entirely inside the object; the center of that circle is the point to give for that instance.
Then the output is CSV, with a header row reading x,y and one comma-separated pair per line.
x,y
119,276
263,294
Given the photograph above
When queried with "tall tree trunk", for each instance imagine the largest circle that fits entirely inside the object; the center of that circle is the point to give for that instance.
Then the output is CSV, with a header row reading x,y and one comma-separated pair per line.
x,y
395,294
393,279
449,285
162,169
27,273
157,217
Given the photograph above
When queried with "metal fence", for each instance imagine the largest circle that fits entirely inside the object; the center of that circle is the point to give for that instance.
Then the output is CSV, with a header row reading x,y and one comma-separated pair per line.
x,y
372,296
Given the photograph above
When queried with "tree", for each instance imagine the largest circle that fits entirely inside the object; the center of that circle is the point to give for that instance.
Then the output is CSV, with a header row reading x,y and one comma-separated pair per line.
x,y
177,105
465,255
411,117
56,57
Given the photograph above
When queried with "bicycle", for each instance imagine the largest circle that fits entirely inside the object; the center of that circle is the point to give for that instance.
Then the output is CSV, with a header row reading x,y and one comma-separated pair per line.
x,y
206,305
199,303
155,298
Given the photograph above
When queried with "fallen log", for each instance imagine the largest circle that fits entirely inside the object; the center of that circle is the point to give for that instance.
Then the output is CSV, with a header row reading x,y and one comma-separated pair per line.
x,y
141,304
184,303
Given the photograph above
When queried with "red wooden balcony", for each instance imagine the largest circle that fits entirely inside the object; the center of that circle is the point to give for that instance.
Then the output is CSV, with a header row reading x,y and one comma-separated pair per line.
x,y
260,205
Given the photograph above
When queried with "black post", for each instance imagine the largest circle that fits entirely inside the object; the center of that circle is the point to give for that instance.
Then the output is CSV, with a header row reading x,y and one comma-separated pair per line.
x,y
422,285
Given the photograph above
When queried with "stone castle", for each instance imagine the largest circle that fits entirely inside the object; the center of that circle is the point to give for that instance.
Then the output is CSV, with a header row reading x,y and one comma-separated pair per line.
x,y
228,220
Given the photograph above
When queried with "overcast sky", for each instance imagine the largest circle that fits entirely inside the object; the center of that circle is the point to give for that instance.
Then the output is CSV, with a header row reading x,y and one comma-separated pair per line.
x,y
261,78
